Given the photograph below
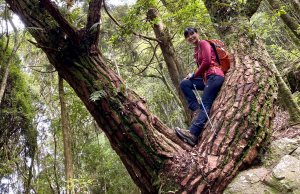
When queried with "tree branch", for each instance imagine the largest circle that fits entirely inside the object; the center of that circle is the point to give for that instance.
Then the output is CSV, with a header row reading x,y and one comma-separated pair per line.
x,y
43,71
93,21
150,62
118,24
62,22
43,47
251,7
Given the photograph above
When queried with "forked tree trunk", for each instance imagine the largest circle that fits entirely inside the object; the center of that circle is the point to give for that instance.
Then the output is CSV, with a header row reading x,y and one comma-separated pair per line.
x,y
154,157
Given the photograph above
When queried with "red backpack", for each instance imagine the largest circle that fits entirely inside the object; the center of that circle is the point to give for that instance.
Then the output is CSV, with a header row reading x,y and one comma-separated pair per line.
x,y
222,54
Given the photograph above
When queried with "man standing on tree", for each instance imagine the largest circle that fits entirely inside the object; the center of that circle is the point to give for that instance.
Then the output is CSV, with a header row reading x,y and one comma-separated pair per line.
x,y
208,77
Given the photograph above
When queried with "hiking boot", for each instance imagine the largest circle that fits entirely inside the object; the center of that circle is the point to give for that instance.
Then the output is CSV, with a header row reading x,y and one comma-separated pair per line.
x,y
195,114
186,136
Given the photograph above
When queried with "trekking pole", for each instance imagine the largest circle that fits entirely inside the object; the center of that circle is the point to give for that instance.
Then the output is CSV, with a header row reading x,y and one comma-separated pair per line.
x,y
199,97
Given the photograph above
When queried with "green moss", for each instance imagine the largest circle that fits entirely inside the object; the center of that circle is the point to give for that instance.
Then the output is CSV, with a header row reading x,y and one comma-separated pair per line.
x,y
17,107
166,184
276,185
78,74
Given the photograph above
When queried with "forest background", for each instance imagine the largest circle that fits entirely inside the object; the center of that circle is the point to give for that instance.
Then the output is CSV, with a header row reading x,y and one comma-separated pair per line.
x,y
49,142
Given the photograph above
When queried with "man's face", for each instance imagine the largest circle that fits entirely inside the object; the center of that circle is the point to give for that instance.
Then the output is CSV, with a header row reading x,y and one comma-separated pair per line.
x,y
193,38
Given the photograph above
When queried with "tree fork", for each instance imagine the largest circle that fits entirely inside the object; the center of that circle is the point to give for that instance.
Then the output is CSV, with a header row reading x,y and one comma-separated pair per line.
x,y
154,157
241,117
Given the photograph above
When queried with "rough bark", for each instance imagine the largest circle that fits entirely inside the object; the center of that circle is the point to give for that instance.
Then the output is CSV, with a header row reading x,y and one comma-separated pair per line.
x,y
174,68
241,118
141,140
154,157
69,172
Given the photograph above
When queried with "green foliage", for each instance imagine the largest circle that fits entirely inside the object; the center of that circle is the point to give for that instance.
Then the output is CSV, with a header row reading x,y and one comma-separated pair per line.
x,y
135,57
161,102
7,167
77,17
80,185
279,41
188,14
97,167
281,11
298,30
107,172
17,134
98,95
296,97
17,103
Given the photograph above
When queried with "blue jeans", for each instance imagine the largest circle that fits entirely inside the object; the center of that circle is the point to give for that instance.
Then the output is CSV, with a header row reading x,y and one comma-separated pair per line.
x,y
210,92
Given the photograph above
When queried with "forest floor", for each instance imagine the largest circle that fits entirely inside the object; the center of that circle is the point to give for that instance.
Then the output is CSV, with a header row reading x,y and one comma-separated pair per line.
x,y
282,128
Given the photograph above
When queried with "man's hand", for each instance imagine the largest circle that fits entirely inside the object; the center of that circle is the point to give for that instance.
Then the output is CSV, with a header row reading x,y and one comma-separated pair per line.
x,y
189,76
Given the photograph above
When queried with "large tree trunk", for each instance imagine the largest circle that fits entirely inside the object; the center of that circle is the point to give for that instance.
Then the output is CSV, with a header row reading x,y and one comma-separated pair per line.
x,y
154,157
69,173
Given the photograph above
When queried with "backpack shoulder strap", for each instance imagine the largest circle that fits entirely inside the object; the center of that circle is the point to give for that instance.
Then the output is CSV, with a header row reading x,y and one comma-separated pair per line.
x,y
215,50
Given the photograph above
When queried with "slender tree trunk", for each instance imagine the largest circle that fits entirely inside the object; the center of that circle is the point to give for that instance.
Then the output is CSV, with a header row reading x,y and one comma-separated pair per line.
x,y
286,99
7,63
293,77
285,95
50,184
287,18
28,186
165,81
4,80
174,68
56,179
69,173
154,157
296,5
